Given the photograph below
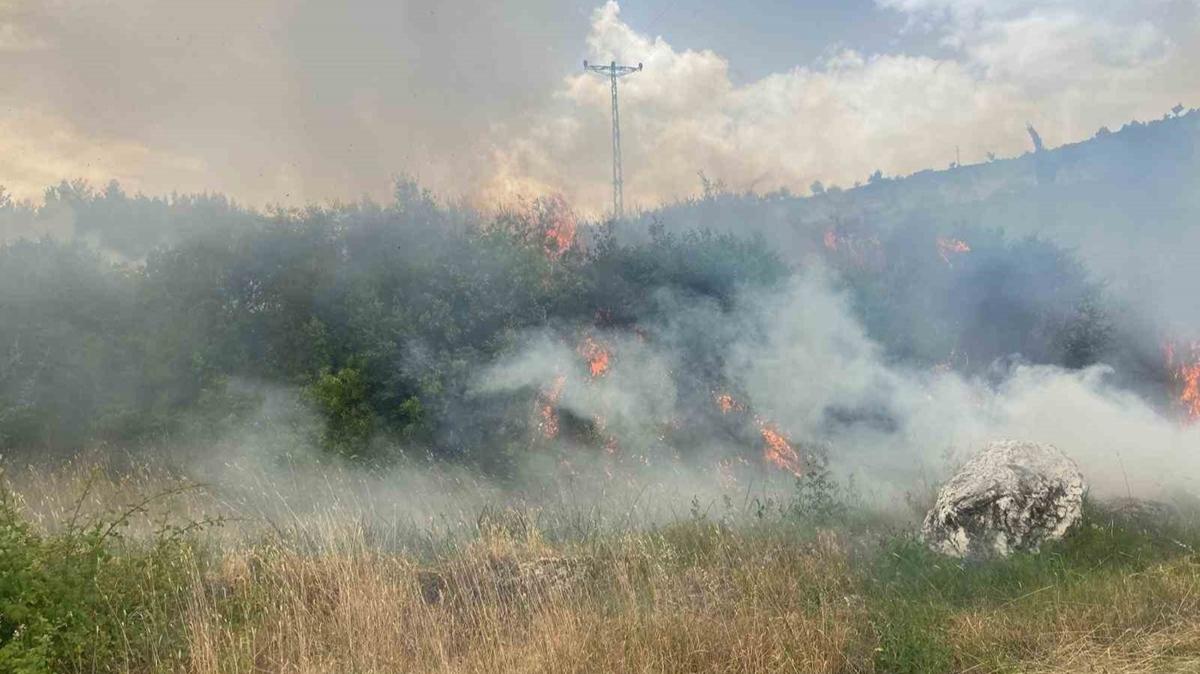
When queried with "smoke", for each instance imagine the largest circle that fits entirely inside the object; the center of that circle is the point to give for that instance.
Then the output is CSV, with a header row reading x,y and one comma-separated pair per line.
x,y
299,101
798,357
273,100
268,100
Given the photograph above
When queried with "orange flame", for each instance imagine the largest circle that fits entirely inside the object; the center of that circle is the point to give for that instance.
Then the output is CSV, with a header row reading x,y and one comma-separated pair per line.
x,y
597,356
726,403
947,247
854,247
777,451
1190,396
1186,375
831,240
548,408
561,226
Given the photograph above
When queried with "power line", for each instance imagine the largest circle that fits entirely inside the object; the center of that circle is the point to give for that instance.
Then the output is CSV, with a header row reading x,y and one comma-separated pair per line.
x,y
654,22
615,72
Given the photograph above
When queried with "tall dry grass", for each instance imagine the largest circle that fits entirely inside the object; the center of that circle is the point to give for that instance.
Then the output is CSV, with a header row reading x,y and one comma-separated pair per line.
x,y
330,588
506,604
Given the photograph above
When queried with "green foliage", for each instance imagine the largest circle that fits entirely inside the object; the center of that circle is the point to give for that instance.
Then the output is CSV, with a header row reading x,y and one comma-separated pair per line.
x,y
1000,298
916,591
343,400
85,599
819,498
386,314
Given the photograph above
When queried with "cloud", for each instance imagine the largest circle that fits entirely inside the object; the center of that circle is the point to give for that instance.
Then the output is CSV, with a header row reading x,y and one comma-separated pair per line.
x,y
1069,67
269,100
38,150
272,100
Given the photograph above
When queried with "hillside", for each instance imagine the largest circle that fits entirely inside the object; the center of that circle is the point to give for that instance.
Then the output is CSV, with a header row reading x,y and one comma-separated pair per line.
x,y
1128,201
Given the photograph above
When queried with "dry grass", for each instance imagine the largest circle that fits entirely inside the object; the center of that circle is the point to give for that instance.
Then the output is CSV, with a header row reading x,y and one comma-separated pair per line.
x,y
1125,622
634,604
321,593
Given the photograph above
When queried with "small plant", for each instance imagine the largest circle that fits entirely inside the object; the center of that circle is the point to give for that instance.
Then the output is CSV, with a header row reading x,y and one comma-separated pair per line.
x,y
819,497
67,600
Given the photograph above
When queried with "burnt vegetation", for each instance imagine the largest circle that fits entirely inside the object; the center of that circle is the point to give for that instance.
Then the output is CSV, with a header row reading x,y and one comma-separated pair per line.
x,y
126,320
384,313
130,332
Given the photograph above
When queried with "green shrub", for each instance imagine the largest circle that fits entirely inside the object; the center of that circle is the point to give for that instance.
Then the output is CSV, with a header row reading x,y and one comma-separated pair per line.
x,y
84,599
343,400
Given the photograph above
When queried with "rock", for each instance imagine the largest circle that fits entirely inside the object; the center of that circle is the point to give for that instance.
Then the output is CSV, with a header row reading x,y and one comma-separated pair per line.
x,y
1013,496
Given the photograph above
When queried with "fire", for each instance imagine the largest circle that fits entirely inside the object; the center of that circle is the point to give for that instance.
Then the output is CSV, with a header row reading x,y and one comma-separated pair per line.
x,y
831,240
597,356
598,359
1190,396
777,451
547,407
857,248
561,225
947,247
726,403
1186,375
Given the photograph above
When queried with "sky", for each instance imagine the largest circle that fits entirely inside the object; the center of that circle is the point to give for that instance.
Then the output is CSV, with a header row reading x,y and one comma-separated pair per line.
x,y
289,101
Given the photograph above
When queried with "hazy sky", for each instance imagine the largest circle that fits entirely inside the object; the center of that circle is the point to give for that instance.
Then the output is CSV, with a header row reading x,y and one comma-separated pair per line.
x,y
291,100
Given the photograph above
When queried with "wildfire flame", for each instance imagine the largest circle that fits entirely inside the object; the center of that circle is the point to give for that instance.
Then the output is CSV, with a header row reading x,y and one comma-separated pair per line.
x,y
598,360
1186,375
547,408
1190,397
597,356
854,247
727,404
562,226
831,240
947,247
777,451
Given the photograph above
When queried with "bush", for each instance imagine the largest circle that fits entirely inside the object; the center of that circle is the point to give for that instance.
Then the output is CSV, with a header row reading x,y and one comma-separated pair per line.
x,y
81,600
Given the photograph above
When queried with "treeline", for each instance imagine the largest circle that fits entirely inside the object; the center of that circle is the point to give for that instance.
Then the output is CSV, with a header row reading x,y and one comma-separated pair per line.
x,y
132,329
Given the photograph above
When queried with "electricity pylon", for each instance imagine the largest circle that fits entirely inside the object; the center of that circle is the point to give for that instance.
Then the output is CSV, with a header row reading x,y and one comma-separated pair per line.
x,y
614,73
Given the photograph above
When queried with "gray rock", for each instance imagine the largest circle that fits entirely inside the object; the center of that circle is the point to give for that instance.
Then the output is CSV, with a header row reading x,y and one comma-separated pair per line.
x,y
1013,496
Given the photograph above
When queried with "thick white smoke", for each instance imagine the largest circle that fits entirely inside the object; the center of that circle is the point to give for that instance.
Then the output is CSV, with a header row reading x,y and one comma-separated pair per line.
x,y
805,363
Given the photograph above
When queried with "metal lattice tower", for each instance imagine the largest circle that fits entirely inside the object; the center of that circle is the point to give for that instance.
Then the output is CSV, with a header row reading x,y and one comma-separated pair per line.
x,y
615,72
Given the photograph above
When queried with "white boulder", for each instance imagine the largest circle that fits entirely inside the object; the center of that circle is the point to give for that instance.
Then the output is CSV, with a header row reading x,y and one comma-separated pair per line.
x,y
1012,496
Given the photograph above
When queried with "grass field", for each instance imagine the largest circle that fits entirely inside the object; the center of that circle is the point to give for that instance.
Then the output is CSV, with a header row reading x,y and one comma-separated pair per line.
x,y
138,572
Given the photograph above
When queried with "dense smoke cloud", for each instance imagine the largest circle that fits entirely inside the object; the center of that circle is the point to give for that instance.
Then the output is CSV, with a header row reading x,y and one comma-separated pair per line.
x,y
268,100
374,309
280,101
803,361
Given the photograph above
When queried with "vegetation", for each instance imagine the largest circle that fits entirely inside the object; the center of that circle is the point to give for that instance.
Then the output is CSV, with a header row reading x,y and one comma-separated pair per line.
x,y
86,598
139,329
163,326
725,588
